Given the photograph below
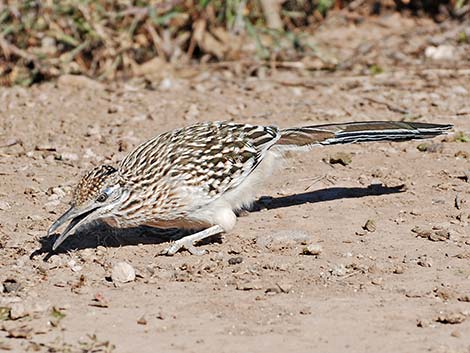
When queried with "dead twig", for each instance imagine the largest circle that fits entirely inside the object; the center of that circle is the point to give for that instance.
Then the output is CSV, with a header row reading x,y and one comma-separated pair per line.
x,y
9,49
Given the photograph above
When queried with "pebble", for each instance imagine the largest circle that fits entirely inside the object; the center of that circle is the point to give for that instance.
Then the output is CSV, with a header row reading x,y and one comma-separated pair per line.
x,y
339,270
235,260
51,206
464,298
423,323
142,321
11,285
4,206
451,318
460,90
18,311
441,52
312,249
370,226
72,264
398,270
122,273
342,158
285,287
166,84
66,156
377,281
424,261
36,218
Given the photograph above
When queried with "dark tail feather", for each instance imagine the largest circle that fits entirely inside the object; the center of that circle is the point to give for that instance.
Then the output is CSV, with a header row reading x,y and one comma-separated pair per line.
x,y
331,134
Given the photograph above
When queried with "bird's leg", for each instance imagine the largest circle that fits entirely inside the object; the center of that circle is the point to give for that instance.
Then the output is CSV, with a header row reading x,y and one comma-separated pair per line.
x,y
188,241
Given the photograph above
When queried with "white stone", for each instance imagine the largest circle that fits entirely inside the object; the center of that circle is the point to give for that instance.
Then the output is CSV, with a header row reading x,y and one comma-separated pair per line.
x,y
442,52
123,272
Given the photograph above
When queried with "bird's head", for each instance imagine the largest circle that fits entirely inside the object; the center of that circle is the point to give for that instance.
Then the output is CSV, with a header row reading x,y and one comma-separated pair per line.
x,y
96,196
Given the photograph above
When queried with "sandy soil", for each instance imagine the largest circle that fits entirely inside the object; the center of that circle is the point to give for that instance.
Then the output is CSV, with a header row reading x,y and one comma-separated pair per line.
x,y
387,289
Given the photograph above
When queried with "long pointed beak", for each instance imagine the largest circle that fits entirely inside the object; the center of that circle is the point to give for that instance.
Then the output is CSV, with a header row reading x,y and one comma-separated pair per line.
x,y
77,217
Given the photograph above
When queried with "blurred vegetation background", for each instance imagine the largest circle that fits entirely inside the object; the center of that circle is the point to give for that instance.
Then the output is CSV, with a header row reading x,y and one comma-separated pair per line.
x,y
108,39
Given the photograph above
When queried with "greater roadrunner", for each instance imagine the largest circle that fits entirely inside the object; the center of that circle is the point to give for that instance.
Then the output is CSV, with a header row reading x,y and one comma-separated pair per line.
x,y
196,177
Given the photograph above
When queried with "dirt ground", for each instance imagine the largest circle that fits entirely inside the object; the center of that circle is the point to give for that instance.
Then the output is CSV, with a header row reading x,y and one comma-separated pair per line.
x,y
401,285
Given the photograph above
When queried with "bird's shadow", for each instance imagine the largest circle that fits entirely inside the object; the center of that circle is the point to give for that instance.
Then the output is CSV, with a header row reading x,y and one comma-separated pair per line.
x,y
112,237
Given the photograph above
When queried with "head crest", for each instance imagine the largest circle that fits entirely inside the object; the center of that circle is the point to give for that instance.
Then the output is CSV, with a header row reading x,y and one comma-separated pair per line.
x,y
90,185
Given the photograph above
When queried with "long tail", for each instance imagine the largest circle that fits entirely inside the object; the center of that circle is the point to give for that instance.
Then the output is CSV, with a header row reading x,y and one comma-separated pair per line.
x,y
331,134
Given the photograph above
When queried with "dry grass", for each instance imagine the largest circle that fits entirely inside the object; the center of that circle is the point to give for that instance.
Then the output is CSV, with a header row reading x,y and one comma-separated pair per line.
x,y
106,39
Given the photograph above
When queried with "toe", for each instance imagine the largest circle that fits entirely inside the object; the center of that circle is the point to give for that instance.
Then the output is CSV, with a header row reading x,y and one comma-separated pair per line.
x,y
195,251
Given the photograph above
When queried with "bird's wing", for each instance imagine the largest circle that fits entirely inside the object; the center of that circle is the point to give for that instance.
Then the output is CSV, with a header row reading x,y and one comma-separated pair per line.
x,y
198,163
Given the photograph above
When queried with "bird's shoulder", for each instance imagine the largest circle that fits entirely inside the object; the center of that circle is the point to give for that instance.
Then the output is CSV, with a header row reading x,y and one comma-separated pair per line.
x,y
214,155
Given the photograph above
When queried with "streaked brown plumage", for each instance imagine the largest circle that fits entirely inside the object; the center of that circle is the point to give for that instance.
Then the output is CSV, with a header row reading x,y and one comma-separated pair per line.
x,y
196,177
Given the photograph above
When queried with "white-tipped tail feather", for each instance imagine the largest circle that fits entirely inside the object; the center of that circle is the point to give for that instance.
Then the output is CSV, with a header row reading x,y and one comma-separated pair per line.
x,y
331,134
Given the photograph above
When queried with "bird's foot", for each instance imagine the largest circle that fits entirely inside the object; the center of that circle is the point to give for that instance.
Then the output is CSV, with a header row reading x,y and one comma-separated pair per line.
x,y
184,243
189,241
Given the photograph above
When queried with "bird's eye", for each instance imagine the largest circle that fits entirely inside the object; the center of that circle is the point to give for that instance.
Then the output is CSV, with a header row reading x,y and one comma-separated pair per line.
x,y
102,197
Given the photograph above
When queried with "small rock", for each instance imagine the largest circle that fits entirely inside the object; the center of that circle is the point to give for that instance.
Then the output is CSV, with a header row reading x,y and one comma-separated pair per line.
x,y
235,260
370,226
35,217
462,154
51,206
142,320
18,311
451,318
122,273
444,293
166,84
273,290
431,147
398,270
423,323
66,156
11,286
284,287
312,249
342,158
72,264
439,235
20,332
4,205
434,234
160,316
339,270
100,301
459,90
456,334
424,261
377,281
464,298
441,52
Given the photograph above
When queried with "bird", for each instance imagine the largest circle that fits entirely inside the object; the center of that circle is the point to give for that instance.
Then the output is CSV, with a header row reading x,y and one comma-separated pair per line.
x,y
197,177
